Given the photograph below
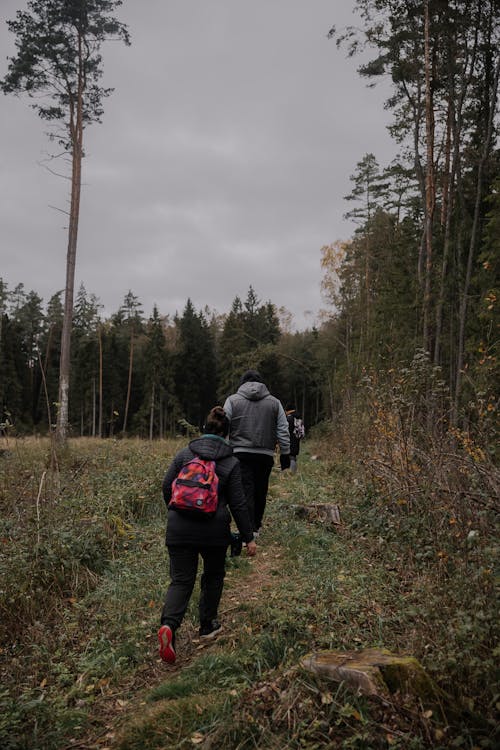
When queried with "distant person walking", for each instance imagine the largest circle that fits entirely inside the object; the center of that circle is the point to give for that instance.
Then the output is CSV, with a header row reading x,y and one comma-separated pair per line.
x,y
194,532
297,432
257,423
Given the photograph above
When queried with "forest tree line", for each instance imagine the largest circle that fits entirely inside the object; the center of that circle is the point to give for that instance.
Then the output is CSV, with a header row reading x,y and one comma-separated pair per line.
x,y
418,280
153,377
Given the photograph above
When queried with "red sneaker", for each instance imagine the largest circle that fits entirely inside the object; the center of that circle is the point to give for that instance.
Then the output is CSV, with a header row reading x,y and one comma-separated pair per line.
x,y
166,638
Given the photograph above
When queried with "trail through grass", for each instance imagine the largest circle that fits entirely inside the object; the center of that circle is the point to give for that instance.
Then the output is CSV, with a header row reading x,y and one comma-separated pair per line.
x,y
82,669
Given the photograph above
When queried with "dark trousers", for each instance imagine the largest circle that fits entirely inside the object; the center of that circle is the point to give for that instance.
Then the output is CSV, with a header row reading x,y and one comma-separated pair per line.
x,y
183,570
255,473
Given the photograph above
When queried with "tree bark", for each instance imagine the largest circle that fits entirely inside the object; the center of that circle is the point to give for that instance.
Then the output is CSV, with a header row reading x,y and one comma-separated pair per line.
x,y
94,396
473,240
129,384
76,129
456,102
446,213
99,334
430,198
152,412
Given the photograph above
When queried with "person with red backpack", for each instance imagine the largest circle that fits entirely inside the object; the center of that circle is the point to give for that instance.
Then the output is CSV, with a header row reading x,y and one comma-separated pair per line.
x,y
202,489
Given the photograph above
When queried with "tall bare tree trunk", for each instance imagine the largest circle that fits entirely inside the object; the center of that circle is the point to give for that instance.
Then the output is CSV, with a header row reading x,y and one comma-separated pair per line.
x,y
53,453
129,384
152,412
76,128
99,334
429,179
94,396
454,120
446,213
416,105
447,181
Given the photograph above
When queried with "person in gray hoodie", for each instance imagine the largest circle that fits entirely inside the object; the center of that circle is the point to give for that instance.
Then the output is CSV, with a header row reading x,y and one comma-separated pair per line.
x,y
257,423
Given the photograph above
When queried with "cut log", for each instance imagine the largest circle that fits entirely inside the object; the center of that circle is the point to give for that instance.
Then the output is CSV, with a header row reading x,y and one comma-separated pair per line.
x,y
378,672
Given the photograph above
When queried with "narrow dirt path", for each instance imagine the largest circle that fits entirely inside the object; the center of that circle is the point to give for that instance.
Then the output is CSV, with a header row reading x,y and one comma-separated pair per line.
x,y
113,708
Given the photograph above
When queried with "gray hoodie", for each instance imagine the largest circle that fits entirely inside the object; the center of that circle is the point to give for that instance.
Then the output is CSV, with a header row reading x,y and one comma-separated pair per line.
x,y
258,421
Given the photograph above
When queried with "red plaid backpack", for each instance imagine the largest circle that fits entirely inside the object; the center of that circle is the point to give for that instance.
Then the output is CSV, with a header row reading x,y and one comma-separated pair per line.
x,y
195,489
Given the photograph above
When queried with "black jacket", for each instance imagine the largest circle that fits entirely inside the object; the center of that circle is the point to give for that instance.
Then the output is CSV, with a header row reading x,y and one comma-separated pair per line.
x,y
183,529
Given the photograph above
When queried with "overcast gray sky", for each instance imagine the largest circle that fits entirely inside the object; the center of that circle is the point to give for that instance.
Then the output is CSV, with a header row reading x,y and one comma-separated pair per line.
x,y
222,160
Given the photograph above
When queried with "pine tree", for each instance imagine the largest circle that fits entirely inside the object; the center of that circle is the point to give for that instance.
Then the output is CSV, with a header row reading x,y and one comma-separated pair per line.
x,y
131,315
158,396
85,361
50,349
233,346
58,59
195,366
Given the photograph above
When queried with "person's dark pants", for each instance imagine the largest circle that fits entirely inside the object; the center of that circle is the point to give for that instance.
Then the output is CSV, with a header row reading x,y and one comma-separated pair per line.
x,y
183,570
255,473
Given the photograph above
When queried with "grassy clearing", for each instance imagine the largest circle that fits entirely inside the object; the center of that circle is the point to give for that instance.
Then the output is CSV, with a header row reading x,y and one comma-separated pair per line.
x,y
79,661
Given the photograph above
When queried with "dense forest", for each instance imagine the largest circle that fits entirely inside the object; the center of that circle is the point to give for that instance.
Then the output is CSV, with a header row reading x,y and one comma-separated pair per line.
x,y
149,377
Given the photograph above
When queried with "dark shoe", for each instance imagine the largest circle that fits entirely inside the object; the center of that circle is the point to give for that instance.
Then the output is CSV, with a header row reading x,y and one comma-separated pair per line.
x,y
236,544
166,638
210,630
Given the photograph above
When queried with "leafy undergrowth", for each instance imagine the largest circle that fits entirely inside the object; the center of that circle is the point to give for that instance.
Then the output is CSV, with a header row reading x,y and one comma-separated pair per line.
x,y
79,665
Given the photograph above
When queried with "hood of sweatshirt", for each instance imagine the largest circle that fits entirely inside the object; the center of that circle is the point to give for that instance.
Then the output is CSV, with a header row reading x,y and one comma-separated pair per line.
x,y
211,447
253,391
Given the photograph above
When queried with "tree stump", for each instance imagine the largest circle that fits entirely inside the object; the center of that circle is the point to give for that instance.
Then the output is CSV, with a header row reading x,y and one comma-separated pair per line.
x,y
324,512
378,672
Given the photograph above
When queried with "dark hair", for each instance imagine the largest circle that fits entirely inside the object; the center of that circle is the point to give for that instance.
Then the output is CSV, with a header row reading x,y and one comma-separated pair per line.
x,y
251,376
217,422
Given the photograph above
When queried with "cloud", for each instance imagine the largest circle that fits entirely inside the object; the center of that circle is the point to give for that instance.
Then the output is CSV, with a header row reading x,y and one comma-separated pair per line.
x,y
222,160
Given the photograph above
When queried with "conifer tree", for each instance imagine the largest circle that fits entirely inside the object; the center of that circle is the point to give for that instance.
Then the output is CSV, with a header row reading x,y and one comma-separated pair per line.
x,y
195,366
58,64
85,361
233,346
158,397
50,350
14,410
130,314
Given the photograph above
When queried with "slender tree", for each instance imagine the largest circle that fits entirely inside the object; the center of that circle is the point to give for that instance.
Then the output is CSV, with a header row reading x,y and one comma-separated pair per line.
x,y
369,190
131,313
195,366
430,194
156,367
50,357
233,343
84,360
3,303
58,56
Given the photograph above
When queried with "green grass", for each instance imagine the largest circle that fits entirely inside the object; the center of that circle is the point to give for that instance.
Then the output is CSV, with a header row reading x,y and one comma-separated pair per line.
x,y
85,570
